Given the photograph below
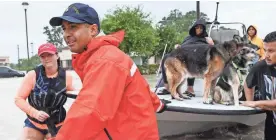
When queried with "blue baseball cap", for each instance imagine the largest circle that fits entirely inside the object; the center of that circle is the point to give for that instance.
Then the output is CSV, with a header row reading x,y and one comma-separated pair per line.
x,y
77,13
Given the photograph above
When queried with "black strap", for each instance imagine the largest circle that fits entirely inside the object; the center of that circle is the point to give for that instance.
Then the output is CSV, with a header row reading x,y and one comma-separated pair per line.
x,y
51,127
108,135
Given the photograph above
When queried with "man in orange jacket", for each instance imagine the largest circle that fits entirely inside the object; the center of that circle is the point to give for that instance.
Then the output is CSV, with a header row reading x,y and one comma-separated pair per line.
x,y
115,101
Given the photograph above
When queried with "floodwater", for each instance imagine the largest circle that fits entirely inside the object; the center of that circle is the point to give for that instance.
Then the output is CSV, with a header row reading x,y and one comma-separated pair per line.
x,y
238,132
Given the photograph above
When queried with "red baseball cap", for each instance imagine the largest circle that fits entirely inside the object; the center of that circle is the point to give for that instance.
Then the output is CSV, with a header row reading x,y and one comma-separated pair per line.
x,y
47,47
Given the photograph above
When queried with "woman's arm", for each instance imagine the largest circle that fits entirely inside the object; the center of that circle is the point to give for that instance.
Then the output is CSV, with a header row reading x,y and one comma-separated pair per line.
x,y
23,93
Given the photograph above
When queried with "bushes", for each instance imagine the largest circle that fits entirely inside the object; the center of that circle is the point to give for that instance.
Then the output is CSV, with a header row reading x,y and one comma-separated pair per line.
x,y
148,69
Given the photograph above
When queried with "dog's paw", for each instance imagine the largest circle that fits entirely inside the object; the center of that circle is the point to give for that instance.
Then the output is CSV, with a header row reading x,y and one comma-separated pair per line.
x,y
211,102
227,103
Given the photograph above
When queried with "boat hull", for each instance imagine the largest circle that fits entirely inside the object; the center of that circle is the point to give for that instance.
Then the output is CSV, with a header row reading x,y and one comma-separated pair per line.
x,y
177,123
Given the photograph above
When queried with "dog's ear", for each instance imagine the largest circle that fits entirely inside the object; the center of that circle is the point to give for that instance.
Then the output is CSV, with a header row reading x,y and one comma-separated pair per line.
x,y
238,39
239,47
253,46
240,42
245,39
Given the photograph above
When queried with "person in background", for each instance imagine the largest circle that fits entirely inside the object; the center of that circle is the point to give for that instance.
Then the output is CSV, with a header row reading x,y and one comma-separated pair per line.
x,y
254,39
45,87
197,35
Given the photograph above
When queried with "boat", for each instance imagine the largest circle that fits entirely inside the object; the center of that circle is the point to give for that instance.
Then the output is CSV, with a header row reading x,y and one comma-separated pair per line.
x,y
192,116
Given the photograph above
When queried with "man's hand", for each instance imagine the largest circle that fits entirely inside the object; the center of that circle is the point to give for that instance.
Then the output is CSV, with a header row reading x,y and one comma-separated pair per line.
x,y
249,104
165,102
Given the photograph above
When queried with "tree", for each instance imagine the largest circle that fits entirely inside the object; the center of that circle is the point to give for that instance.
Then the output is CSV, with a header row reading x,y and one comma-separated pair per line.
x,y
171,29
55,36
140,38
169,36
176,19
190,17
180,21
24,65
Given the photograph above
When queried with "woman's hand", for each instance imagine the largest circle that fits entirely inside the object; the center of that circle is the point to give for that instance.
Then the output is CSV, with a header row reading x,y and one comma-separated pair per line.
x,y
177,46
41,116
209,40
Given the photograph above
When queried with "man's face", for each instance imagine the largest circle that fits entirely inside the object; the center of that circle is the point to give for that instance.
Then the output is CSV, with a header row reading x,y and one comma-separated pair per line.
x,y
270,53
251,31
77,36
199,29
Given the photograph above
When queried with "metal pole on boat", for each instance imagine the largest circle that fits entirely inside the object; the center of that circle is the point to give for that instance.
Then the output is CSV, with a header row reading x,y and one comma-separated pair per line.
x,y
216,18
161,60
197,10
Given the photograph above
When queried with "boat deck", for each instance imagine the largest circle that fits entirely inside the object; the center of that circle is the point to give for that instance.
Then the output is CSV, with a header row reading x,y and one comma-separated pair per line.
x,y
195,105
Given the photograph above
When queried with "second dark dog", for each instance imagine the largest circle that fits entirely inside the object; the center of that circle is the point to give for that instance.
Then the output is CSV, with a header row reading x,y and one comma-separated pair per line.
x,y
233,77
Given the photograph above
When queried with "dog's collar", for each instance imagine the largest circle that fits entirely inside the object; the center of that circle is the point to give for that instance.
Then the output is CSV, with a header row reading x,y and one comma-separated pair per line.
x,y
239,71
237,67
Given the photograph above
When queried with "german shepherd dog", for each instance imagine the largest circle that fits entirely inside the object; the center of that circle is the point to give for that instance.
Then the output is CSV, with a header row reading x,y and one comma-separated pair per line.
x,y
233,77
200,60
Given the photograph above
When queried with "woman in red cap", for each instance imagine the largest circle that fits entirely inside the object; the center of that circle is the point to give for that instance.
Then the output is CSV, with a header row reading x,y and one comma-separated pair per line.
x,y
45,87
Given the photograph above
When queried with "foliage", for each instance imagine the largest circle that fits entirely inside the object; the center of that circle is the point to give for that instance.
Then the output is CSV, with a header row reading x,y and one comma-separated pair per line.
x,y
54,35
140,37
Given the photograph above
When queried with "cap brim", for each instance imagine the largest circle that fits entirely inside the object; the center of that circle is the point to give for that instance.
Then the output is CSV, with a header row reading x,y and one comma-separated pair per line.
x,y
51,52
57,21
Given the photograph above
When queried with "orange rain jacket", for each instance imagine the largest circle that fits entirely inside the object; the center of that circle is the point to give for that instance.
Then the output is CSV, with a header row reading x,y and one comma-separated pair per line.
x,y
114,96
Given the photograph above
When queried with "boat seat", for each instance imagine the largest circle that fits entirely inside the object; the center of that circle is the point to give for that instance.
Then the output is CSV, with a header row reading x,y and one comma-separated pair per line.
x,y
222,35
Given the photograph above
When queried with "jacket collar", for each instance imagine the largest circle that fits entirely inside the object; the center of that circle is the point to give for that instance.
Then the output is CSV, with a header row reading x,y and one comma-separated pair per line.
x,y
79,60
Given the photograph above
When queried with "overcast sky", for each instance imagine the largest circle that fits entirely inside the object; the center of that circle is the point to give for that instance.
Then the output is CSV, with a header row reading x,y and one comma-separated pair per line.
x,y
12,25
